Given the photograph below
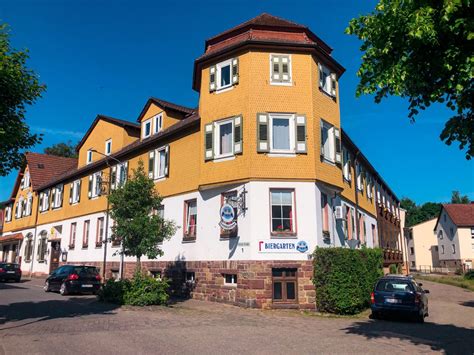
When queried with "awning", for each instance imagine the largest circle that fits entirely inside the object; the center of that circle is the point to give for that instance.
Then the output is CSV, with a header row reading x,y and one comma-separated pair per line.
x,y
11,238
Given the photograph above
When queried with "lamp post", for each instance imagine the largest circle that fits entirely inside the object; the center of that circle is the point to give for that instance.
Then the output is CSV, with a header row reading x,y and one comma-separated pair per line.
x,y
109,183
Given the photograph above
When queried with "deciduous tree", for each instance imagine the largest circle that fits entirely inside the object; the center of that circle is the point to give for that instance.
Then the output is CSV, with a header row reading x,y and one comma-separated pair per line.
x,y
67,150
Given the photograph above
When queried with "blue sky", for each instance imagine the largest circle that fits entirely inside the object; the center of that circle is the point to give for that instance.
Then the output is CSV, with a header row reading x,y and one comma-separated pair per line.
x,y
109,56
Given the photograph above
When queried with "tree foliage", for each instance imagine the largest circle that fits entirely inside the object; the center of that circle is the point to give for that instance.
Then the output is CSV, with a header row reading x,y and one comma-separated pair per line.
x,y
133,208
418,214
67,150
19,87
424,51
457,198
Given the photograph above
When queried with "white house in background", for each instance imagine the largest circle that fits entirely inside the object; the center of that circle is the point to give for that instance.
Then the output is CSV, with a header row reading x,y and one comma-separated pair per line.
x,y
422,246
455,232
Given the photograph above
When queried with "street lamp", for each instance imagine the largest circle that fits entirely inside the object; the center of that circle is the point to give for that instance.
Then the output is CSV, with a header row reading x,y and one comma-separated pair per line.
x,y
109,183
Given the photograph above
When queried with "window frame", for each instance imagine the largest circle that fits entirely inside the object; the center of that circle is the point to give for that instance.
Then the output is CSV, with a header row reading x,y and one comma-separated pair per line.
x,y
187,236
42,247
284,279
156,164
28,254
86,233
292,133
100,231
158,123
233,279
8,213
89,156
219,67
72,235
294,231
144,125
75,191
281,82
331,141
108,146
217,145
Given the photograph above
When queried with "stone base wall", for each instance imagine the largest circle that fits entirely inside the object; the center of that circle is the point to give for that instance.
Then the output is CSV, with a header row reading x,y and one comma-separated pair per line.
x,y
452,264
254,280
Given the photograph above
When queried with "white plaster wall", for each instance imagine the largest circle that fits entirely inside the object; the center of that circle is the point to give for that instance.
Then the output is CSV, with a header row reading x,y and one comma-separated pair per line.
x,y
466,243
445,224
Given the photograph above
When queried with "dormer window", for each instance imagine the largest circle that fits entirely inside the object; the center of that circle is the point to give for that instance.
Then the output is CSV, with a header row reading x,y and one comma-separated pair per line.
x,y
157,123
89,157
146,128
224,75
108,147
327,80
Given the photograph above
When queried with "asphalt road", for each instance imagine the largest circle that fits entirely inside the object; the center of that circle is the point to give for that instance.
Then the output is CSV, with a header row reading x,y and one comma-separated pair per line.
x,y
32,321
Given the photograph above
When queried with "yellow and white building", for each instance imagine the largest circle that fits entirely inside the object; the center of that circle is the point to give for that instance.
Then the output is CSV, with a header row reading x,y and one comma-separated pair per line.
x,y
265,136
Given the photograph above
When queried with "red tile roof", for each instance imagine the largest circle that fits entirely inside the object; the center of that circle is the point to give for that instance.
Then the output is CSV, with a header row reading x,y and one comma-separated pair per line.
x,y
44,167
11,237
461,214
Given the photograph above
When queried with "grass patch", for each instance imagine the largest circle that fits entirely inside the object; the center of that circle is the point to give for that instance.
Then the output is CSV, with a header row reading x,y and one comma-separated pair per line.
x,y
364,314
458,281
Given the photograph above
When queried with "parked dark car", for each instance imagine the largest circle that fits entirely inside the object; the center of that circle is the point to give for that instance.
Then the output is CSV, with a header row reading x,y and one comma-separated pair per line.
x,y
73,279
10,271
399,295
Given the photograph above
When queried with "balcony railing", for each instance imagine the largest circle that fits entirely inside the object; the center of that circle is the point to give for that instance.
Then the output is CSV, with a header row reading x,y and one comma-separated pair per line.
x,y
391,256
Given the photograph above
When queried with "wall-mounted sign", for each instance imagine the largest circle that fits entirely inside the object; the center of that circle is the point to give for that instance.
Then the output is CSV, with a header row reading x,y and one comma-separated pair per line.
x,y
227,213
282,246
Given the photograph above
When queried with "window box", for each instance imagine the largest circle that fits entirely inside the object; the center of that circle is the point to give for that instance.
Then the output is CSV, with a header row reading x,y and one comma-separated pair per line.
x,y
71,246
98,244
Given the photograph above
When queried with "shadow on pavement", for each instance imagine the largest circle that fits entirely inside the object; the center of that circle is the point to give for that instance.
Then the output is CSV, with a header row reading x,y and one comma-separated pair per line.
x,y
33,312
7,286
467,304
441,337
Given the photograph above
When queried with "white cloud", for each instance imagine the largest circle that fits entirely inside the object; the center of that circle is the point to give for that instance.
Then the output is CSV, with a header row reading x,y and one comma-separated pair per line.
x,y
58,132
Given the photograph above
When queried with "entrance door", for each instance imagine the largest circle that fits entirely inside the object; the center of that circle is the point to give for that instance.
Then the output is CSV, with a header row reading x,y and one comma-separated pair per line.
x,y
55,254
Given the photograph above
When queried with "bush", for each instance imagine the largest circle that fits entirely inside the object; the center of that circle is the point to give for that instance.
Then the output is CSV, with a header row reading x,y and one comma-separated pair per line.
x,y
141,290
344,278
393,269
469,275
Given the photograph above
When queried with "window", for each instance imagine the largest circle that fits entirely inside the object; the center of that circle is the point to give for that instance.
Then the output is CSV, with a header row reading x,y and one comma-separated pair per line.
x,y
146,128
347,165
224,75
42,246
89,157
44,200
72,236
472,233
28,247
8,213
453,247
442,249
349,222
413,264
327,80
95,185
284,285
156,274
281,133
282,211
19,208
362,228
28,205
157,123
57,196
360,178
75,192
325,211
190,276
230,279
25,181
190,219
158,163
374,236
331,150
223,138
119,175
280,69
100,232
85,234
412,250
108,147
440,234
224,198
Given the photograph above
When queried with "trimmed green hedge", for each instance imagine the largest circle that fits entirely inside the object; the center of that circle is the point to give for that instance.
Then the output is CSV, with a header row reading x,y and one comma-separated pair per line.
x,y
344,278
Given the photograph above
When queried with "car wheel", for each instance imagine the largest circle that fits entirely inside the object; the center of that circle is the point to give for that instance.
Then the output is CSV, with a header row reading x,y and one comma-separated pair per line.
x,y
420,318
63,290
375,315
46,287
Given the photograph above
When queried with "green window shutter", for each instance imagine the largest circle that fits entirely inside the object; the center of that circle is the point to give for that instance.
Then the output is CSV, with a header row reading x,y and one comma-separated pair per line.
x,y
235,71
209,142
167,160
238,135
113,176
212,78
333,84
89,194
151,164
71,187
262,133
320,70
285,69
301,146
337,145
276,69
79,190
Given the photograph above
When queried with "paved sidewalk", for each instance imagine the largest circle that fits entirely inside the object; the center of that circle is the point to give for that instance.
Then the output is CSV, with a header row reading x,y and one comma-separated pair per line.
x,y
32,321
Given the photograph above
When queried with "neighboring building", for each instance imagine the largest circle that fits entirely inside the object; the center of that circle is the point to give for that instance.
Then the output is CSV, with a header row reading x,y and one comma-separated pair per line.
x,y
422,246
2,214
266,137
455,231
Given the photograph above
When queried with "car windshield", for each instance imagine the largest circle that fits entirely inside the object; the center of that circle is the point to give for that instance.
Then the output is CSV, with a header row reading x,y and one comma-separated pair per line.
x,y
392,285
8,266
89,270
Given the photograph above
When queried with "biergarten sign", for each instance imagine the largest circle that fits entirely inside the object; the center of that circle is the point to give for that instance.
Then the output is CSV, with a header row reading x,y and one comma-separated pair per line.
x,y
228,217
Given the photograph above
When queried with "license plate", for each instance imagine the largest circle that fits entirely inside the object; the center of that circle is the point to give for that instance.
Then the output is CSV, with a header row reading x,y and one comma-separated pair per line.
x,y
10,272
86,285
392,300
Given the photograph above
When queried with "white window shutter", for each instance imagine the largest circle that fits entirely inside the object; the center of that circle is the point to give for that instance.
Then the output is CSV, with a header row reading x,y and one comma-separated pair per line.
x,y
333,84
235,71
321,76
113,178
167,160
263,144
151,163
212,78
301,146
337,146
79,190
238,135
89,193
208,142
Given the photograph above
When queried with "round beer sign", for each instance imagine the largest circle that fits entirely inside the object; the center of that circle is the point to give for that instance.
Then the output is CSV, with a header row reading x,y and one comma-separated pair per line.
x,y
227,217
